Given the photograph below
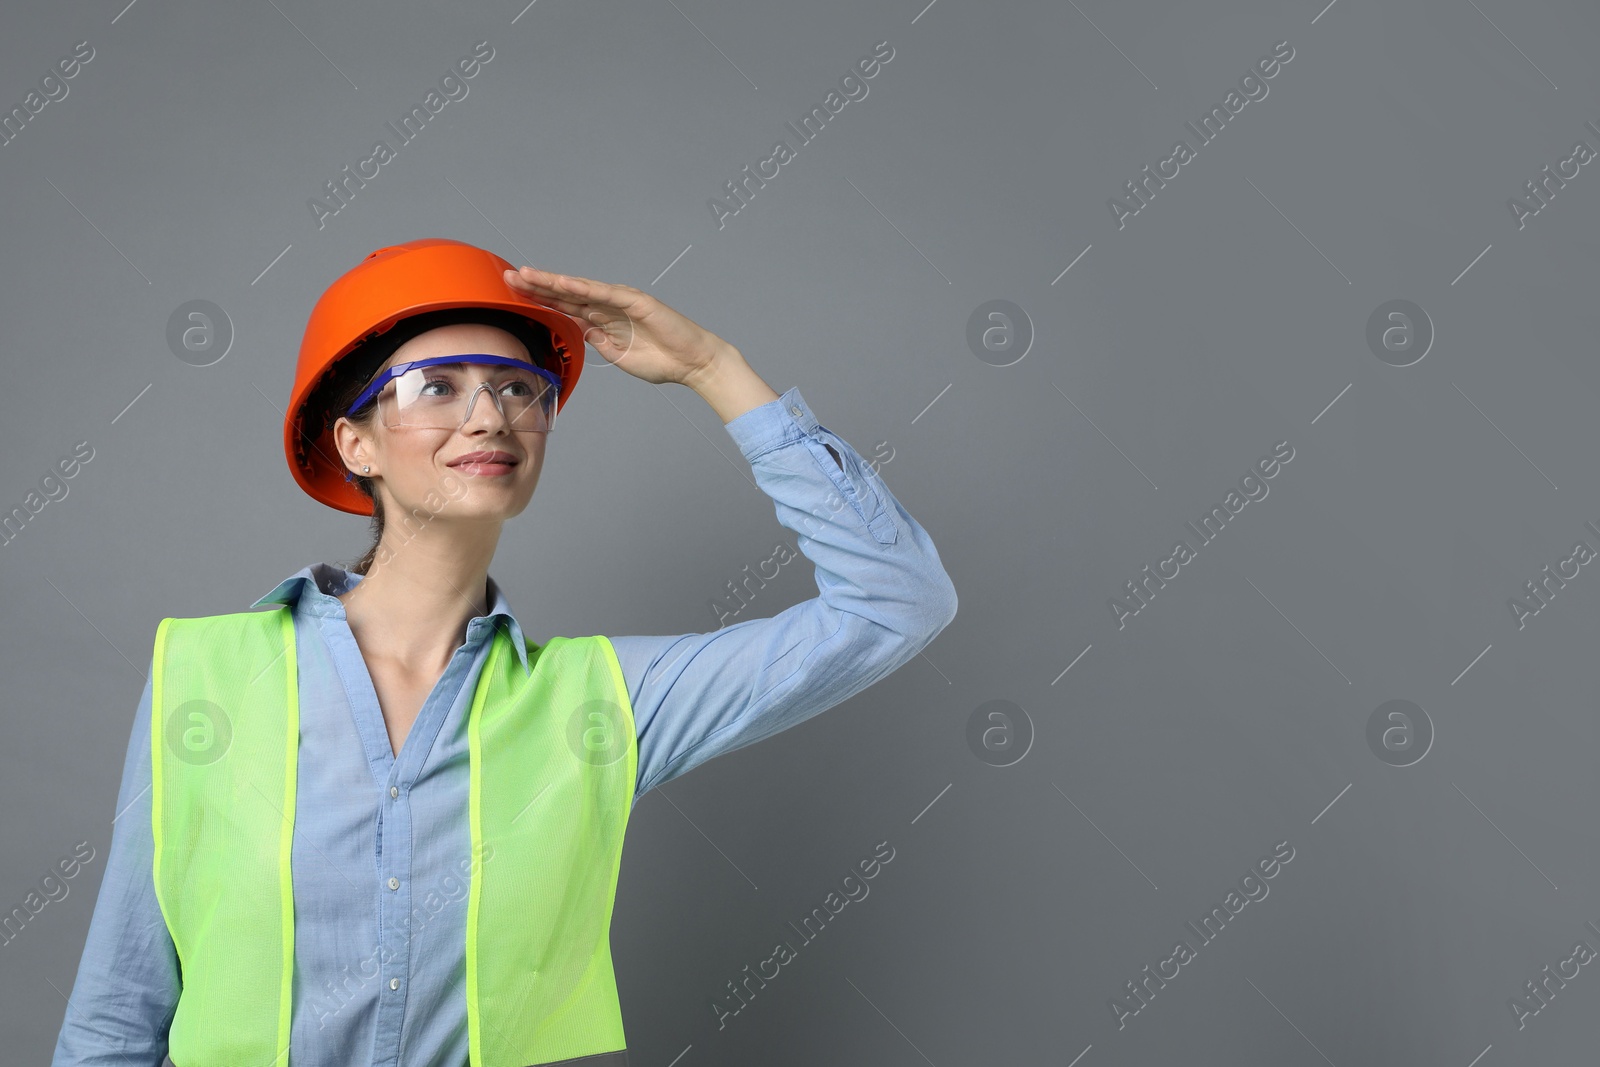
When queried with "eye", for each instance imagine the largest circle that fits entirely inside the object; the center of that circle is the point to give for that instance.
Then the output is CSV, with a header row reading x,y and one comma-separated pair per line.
x,y
431,382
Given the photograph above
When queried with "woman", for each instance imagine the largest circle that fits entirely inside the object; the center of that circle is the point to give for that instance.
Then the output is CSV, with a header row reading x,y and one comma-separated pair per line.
x,y
376,824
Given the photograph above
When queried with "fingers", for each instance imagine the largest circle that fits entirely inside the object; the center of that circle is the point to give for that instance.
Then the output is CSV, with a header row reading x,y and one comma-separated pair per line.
x,y
544,294
569,287
555,284
564,306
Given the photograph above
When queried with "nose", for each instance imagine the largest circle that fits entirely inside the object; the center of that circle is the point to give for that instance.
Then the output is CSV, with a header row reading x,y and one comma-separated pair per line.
x,y
487,415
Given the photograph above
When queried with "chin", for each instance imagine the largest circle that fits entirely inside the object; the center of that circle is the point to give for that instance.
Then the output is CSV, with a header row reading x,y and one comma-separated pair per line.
x,y
491,502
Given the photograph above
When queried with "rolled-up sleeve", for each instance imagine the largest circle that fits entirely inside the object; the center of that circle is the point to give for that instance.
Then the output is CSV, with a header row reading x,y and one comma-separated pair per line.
x,y
882,596
128,981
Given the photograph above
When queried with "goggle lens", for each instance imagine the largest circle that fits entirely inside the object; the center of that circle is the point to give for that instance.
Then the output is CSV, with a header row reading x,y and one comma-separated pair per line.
x,y
442,396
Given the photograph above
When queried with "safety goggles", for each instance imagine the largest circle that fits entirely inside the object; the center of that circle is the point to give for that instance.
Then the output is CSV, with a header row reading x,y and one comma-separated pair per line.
x,y
439,393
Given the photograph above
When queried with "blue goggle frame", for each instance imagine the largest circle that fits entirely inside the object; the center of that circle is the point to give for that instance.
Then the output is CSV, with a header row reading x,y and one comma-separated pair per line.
x,y
470,357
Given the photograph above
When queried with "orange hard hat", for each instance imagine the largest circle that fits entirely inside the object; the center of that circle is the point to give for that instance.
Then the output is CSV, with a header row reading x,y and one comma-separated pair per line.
x,y
392,284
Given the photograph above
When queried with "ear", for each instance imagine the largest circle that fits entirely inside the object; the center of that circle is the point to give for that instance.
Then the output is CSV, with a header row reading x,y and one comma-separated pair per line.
x,y
353,451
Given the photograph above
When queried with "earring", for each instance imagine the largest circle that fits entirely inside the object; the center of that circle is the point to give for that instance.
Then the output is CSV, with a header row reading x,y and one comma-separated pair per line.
x,y
365,469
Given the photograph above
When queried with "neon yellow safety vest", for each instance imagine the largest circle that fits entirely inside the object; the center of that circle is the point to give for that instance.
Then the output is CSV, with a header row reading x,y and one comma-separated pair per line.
x,y
553,758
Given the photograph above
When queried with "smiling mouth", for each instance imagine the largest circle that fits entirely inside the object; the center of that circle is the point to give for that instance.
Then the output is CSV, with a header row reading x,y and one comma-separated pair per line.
x,y
485,464
486,467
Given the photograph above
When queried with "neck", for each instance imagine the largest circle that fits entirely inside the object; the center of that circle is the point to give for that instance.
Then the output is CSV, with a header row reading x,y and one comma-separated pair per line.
x,y
424,586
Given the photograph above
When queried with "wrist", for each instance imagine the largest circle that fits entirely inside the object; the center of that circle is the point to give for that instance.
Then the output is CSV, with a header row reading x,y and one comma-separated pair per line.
x,y
715,368
729,385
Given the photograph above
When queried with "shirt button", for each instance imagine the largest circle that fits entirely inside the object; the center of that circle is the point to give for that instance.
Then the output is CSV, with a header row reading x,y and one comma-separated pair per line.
x,y
394,983
394,791
795,412
394,883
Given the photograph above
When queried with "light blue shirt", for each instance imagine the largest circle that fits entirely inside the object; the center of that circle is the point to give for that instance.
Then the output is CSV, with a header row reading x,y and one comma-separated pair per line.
x,y
381,846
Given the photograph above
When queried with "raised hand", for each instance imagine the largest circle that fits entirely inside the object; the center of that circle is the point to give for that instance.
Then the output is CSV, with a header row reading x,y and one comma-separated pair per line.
x,y
629,327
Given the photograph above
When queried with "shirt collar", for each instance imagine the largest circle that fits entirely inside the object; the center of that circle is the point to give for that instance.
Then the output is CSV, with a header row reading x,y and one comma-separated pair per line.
x,y
316,588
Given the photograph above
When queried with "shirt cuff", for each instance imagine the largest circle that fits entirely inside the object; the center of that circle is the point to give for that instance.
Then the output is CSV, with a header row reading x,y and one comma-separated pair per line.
x,y
774,424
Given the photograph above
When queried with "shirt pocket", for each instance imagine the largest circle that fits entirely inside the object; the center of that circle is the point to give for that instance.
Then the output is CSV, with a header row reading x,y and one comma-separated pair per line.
x,y
853,485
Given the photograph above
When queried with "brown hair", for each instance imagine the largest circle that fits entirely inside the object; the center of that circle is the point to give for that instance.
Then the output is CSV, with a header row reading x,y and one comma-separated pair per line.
x,y
352,373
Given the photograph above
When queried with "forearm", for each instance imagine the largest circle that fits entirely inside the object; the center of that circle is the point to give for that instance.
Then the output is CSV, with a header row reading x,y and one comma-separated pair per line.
x,y
729,385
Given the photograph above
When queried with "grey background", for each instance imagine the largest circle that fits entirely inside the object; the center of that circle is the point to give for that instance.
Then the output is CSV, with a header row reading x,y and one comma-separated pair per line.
x,y
1228,715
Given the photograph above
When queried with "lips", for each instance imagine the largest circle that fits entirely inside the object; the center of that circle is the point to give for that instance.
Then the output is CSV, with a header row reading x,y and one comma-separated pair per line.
x,y
486,463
